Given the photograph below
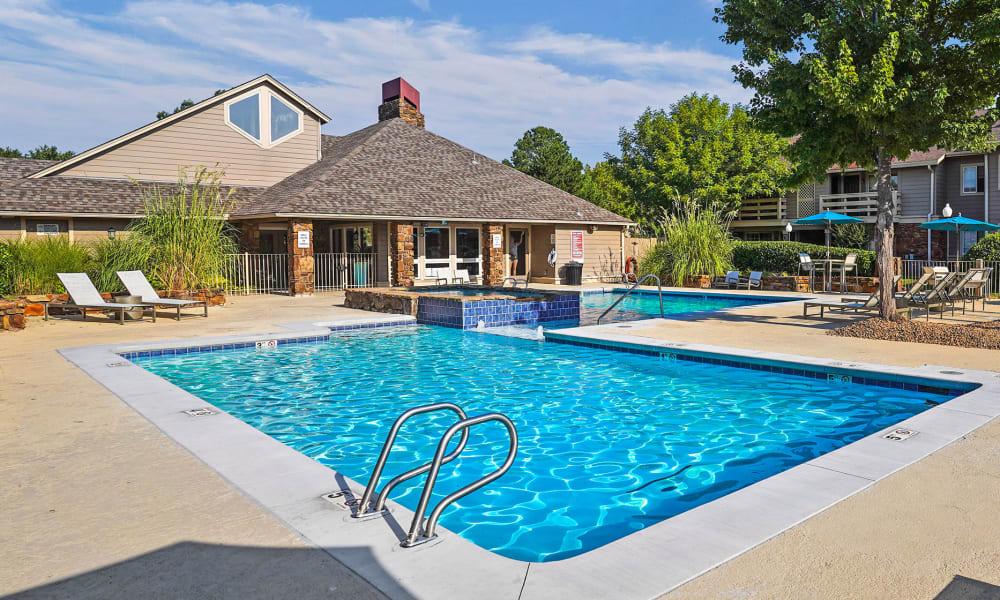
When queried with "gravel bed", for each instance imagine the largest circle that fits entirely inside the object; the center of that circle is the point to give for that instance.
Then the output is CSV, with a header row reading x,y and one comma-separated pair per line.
x,y
967,335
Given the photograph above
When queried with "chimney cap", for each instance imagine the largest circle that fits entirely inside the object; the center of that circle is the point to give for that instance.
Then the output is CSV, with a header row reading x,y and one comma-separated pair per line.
x,y
399,88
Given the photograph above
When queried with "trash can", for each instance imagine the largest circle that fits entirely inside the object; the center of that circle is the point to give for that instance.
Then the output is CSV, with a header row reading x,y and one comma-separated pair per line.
x,y
574,273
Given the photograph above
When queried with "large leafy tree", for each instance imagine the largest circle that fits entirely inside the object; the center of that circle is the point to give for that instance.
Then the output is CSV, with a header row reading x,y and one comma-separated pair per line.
x,y
44,152
544,154
862,81
701,151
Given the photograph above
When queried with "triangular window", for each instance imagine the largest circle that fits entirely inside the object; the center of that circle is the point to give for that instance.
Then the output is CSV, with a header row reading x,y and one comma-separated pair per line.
x,y
245,115
284,120
264,118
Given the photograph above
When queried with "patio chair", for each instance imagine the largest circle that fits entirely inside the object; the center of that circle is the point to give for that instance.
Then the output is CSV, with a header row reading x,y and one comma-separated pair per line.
x,y
850,266
957,291
806,264
731,278
753,281
907,295
977,288
461,276
137,285
871,303
937,295
84,296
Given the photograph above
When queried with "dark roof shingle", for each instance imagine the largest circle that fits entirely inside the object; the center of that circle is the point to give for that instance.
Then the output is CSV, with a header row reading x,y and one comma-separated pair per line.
x,y
396,169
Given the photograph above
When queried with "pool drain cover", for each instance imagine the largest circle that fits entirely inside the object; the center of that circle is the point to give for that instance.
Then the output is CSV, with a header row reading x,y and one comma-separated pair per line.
x,y
199,412
900,434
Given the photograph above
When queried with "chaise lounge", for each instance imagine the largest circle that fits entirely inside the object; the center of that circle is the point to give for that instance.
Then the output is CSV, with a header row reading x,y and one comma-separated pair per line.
x,y
137,285
84,296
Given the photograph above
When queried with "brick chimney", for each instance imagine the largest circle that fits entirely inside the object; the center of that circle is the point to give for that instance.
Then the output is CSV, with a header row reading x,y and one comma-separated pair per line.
x,y
400,100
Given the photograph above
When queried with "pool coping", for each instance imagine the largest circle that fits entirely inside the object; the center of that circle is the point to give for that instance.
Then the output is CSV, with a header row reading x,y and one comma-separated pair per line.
x,y
644,564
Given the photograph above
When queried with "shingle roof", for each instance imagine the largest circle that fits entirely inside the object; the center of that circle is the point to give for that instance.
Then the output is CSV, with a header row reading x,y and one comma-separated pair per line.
x,y
81,195
12,169
396,169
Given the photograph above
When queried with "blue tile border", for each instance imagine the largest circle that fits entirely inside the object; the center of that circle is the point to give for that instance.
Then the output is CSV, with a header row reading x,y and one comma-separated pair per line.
x,y
253,344
907,384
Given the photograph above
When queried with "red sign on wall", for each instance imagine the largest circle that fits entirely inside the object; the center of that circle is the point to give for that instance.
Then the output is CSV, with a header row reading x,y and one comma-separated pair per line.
x,y
576,246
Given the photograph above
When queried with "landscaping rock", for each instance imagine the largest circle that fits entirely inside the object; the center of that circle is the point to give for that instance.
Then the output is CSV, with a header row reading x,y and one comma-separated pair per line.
x,y
967,335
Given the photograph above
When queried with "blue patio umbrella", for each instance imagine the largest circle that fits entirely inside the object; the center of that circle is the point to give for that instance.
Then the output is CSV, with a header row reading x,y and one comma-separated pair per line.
x,y
826,218
959,224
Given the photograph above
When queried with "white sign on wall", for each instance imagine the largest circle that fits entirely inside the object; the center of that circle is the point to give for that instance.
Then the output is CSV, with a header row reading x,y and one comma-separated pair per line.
x,y
303,239
498,240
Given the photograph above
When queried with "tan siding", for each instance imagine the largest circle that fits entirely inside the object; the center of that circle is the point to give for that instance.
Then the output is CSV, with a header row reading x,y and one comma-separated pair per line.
x,y
602,251
10,228
204,138
88,230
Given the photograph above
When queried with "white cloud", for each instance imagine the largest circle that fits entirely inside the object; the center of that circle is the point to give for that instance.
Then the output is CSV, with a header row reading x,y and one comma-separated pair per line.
x,y
76,80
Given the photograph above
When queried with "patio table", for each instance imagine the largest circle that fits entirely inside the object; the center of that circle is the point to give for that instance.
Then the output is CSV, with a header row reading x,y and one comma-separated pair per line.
x,y
828,264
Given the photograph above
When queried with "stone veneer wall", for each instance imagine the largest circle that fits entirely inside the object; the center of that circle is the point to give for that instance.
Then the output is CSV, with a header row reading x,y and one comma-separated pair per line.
x,y
401,249
399,107
909,238
249,237
301,264
385,302
493,258
12,314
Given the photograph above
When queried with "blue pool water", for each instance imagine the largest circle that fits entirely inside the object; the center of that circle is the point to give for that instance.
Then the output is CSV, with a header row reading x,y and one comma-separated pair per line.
x,y
610,442
643,304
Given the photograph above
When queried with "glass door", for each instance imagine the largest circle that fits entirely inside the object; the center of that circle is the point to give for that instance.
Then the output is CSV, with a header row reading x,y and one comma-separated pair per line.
x,y
518,252
467,254
437,253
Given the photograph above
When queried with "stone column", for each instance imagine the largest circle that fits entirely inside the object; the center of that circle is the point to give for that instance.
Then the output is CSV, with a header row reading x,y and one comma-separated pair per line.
x,y
301,264
249,237
493,258
401,251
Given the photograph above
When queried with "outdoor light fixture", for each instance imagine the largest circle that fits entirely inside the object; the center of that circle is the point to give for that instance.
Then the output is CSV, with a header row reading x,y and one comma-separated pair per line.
x,y
111,233
946,212
593,229
788,231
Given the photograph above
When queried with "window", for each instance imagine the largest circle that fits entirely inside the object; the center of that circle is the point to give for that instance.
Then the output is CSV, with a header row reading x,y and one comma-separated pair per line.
x,y
284,120
263,117
973,179
47,229
968,239
437,252
245,115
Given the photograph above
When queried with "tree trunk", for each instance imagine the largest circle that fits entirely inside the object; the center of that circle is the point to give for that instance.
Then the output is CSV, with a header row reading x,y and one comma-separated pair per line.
x,y
883,239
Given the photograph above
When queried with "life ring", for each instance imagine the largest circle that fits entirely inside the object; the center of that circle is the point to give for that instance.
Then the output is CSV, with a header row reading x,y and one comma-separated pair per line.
x,y
631,265
553,257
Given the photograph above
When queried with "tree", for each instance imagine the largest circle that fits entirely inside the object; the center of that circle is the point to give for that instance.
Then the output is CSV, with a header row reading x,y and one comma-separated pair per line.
x,y
850,235
702,150
43,152
544,154
188,103
861,81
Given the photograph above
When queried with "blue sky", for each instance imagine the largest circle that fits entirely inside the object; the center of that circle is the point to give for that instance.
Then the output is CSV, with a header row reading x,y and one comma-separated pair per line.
x,y
80,73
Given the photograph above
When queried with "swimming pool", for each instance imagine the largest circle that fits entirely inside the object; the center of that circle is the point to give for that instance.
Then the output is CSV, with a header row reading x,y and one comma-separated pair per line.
x,y
610,442
646,304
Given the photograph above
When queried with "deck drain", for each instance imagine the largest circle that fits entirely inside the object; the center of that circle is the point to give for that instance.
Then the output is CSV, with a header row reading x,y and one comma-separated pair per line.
x,y
900,434
199,412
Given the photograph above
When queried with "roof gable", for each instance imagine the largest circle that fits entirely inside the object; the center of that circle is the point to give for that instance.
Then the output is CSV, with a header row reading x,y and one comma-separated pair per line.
x,y
145,130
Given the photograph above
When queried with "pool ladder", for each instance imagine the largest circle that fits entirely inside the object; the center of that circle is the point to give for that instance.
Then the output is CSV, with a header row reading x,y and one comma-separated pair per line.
x,y
421,531
659,289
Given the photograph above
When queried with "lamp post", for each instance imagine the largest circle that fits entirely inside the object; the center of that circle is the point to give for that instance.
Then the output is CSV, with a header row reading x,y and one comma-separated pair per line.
x,y
946,212
788,232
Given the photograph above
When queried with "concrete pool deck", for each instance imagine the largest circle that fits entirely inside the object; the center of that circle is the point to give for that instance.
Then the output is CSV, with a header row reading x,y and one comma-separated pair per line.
x,y
924,531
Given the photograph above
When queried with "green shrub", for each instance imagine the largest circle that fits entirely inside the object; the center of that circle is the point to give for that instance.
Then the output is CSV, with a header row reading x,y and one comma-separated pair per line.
x,y
6,270
850,235
186,231
34,263
988,249
124,253
783,257
695,241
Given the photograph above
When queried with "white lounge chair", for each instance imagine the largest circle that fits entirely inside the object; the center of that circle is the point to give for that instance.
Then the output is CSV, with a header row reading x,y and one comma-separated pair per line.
x,y
84,296
869,304
137,285
731,279
754,281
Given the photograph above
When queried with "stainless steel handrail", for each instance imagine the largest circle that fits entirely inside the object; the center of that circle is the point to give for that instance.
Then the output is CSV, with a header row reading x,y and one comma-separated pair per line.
x,y
632,289
363,507
415,536
516,281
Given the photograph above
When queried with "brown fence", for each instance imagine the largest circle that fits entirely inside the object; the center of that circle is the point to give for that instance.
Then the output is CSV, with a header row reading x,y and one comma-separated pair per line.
x,y
637,247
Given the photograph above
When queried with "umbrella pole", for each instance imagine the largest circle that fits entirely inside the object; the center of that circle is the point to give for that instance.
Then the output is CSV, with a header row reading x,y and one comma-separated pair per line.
x,y
828,241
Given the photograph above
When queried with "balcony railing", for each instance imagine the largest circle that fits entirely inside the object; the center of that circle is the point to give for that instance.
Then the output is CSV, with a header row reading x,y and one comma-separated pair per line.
x,y
861,205
763,209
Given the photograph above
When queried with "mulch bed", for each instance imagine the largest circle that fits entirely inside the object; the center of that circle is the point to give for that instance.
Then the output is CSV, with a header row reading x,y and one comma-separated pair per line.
x,y
967,335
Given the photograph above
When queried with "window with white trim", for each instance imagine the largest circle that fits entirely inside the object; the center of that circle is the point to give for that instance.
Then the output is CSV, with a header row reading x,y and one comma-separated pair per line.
x,y
263,117
973,179
47,229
